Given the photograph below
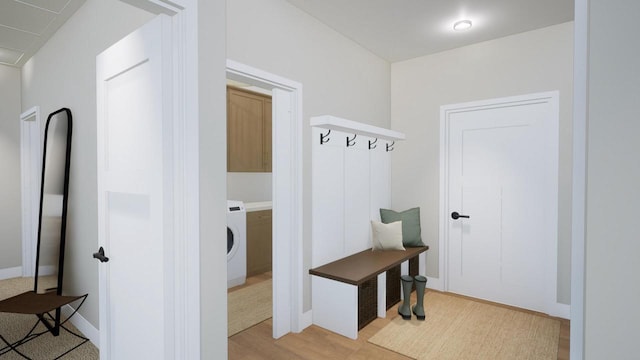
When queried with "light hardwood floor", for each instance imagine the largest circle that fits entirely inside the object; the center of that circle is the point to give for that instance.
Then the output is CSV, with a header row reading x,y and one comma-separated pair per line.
x,y
317,343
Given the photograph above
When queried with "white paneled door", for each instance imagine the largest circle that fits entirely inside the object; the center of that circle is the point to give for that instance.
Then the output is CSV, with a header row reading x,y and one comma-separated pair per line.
x,y
134,196
503,175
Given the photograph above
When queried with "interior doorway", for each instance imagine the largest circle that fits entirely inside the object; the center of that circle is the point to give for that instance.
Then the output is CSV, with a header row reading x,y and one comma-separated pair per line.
x,y
500,173
249,207
286,192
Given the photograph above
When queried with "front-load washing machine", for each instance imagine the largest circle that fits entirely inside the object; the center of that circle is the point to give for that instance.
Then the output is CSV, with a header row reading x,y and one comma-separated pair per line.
x,y
236,243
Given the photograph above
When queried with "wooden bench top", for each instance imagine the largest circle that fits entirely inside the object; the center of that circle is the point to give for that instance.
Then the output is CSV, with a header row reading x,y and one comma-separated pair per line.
x,y
362,266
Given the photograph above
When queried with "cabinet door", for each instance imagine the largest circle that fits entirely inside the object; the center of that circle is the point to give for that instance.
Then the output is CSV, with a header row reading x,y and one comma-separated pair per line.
x,y
245,131
259,241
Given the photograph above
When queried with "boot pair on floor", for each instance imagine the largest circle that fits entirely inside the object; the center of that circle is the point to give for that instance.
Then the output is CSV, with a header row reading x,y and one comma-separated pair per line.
x,y
418,309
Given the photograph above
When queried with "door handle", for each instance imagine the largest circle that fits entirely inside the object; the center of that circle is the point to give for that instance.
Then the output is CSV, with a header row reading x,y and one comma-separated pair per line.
x,y
100,255
456,216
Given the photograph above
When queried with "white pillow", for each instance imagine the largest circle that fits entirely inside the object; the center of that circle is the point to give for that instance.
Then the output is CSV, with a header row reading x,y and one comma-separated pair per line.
x,y
387,236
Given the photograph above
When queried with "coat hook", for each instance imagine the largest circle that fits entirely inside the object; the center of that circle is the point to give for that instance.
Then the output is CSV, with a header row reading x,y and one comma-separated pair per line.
x,y
352,141
325,138
390,147
372,144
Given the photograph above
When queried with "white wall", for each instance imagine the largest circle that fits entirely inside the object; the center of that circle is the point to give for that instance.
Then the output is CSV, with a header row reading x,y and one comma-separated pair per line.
x,y
530,62
612,288
62,74
212,94
249,187
10,201
339,77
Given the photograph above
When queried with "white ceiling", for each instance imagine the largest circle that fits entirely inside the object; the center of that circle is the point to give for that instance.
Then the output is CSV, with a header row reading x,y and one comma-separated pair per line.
x,y
26,25
398,30
395,30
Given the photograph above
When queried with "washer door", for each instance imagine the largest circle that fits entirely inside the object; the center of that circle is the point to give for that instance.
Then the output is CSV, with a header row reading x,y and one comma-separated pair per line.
x,y
232,244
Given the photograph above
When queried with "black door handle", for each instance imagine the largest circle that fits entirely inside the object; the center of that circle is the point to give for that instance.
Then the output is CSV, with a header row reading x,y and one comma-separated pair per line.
x,y
100,255
456,216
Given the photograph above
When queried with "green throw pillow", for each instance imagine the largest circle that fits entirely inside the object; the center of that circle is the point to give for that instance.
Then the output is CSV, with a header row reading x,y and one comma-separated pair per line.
x,y
410,224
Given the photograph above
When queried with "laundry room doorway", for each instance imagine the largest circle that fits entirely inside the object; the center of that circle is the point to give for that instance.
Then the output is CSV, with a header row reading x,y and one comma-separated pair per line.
x,y
285,145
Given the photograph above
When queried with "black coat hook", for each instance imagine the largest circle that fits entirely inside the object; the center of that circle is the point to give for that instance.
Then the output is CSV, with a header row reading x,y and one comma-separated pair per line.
x,y
372,144
352,141
390,147
325,138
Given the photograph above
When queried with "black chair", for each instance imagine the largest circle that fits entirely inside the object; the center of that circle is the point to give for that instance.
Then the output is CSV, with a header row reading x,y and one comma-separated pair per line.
x,y
46,302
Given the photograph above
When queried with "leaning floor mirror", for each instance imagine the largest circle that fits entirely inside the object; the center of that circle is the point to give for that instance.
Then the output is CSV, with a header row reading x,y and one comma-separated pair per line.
x,y
47,295
53,203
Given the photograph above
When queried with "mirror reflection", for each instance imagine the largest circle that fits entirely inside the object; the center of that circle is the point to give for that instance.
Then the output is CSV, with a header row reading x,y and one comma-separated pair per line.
x,y
53,202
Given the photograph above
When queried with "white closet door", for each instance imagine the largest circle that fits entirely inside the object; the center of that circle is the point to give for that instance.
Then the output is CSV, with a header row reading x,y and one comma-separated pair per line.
x,y
504,174
134,194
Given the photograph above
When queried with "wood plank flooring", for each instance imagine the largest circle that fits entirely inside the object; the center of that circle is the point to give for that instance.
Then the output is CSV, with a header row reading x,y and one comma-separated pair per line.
x,y
317,343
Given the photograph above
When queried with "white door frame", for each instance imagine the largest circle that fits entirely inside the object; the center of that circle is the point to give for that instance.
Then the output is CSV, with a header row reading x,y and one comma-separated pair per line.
x,y
552,98
287,197
31,170
578,208
186,172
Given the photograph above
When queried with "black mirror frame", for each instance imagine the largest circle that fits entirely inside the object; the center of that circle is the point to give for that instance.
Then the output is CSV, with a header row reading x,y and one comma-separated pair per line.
x,y
63,223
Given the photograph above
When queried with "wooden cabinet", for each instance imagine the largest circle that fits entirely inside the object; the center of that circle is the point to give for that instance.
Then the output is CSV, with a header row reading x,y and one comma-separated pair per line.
x,y
259,230
248,131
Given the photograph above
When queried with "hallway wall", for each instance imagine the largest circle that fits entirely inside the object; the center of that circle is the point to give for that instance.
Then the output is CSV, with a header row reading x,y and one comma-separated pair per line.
x,y
612,290
10,191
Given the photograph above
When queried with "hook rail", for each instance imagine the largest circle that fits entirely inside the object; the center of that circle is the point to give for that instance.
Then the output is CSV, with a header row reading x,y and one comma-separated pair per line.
x,y
324,138
390,147
352,141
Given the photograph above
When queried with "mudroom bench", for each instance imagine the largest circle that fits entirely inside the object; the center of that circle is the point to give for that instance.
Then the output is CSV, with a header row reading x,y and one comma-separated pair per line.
x,y
349,293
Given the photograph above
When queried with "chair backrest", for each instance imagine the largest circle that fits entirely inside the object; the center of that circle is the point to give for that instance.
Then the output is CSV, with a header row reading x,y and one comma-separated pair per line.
x,y
53,202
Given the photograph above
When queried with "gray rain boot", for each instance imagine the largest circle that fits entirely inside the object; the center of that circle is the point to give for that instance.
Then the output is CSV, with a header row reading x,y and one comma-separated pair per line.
x,y
405,309
418,308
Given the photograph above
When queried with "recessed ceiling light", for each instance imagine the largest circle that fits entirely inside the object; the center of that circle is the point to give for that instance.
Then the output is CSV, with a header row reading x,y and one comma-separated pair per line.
x,y
462,25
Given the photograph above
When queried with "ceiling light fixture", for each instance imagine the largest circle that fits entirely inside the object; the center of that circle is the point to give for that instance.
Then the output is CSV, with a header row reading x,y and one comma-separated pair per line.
x,y
462,25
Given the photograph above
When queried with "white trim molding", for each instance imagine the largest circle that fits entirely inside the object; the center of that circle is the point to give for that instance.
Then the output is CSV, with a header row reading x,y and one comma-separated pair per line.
x,y
10,273
31,173
349,126
288,271
306,319
186,171
578,209
435,283
560,310
83,325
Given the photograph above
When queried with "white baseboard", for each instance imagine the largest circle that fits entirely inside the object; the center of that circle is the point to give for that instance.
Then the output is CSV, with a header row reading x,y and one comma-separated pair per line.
x,y
47,270
306,320
560,310
435,284
11,273
83,325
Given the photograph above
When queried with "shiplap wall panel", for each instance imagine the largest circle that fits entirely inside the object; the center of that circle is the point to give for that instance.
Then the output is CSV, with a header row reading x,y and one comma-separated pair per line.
x,y
356,197
380,179
349,186
328,199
